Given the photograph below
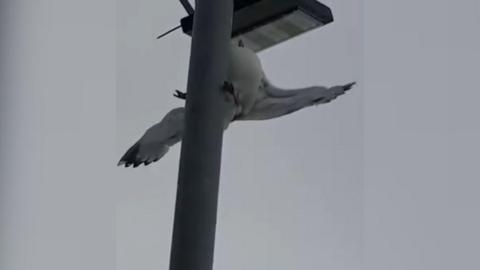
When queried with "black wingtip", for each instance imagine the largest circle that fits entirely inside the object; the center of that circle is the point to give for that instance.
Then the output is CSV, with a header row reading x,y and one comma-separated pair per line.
x,y
130,157
349,86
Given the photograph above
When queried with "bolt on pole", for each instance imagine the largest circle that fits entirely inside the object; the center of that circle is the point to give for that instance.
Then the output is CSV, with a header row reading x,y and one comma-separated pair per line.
x,y
198,181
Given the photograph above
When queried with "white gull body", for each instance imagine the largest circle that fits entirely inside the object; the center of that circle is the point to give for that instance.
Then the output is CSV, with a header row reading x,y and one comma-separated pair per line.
x,y
245,74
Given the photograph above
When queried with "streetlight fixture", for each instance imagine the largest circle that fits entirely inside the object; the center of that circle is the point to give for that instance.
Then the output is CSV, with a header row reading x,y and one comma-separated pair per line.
x,y
262,24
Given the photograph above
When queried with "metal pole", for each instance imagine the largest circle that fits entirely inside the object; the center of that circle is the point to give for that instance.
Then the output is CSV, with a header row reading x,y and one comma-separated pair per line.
x,y
197,194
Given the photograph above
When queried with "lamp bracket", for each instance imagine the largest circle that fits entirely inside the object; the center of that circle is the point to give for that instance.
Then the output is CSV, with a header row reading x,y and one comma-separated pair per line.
x,y
187,6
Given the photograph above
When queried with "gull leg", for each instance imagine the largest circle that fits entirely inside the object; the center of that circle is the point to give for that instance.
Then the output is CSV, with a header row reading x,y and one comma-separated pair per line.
x,y
227,87
230,89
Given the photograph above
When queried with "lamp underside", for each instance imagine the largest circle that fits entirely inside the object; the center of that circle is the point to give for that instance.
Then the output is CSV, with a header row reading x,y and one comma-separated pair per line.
x,y
262,24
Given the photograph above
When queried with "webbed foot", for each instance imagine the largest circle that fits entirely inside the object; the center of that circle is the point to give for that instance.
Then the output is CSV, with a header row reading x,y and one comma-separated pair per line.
x,y
179,94
228,87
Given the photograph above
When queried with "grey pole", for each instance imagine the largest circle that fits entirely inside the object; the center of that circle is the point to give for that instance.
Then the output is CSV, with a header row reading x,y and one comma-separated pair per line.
x,y
197,193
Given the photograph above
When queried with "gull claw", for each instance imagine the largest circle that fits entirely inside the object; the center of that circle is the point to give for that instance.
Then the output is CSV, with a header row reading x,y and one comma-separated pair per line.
x,y
179,94
228,87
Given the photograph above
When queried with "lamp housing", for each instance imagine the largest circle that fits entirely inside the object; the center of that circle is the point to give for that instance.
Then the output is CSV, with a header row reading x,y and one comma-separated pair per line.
x,y
261,24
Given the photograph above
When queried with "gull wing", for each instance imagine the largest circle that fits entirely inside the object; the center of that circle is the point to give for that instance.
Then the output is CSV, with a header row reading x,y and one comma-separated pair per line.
x,y
274,102
156,141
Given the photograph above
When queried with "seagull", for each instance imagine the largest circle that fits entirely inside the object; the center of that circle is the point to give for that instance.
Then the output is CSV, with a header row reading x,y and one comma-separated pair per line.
x,y
250,96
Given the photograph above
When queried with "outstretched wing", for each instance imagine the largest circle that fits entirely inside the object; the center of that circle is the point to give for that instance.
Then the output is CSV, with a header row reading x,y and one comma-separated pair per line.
x,y
274,102
156,141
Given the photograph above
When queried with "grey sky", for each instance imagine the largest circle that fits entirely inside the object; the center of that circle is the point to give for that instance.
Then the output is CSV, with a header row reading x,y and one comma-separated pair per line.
x,y
422,61
384,177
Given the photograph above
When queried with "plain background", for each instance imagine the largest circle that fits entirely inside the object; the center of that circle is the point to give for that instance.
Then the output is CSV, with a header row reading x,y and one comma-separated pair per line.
x,y
383,178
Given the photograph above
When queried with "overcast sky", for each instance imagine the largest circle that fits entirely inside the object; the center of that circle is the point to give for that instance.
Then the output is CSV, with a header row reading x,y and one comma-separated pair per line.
x,y
384,177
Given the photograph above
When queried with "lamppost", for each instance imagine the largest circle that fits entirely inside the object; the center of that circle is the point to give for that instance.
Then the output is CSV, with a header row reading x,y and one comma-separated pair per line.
x,y
261,24
197,194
